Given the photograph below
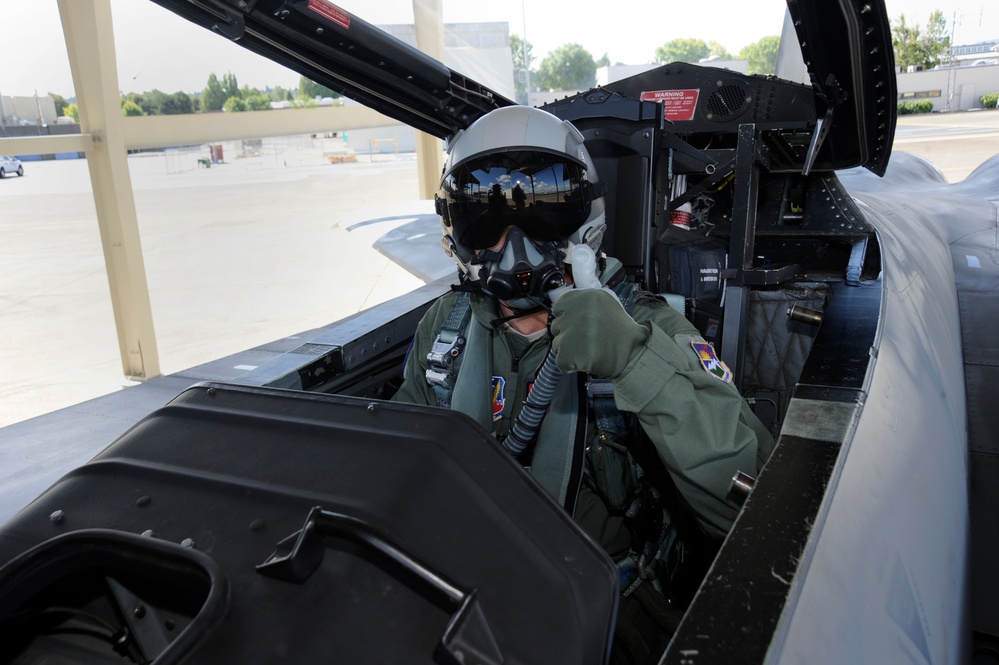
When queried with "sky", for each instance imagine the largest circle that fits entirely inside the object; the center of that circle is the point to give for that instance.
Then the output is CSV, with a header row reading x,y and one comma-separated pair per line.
x,y
157,49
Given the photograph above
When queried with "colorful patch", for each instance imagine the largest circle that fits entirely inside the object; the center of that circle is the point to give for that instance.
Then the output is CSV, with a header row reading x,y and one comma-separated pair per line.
x,y
499,398
711,362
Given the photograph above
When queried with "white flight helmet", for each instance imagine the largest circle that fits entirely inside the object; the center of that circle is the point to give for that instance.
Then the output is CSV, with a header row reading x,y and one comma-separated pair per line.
x,y
522,169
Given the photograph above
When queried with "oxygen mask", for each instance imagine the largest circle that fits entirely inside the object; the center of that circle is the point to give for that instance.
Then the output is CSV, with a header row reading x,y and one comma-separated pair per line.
x,y
521,271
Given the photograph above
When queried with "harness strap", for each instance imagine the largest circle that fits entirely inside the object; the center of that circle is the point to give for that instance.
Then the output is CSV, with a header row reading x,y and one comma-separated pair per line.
x,y
446,351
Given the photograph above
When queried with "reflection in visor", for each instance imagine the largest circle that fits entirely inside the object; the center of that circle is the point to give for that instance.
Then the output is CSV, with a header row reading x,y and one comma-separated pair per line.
x,y
540,193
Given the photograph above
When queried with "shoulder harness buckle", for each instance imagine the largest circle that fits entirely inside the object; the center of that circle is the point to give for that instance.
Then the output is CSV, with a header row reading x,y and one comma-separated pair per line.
x,y
444,358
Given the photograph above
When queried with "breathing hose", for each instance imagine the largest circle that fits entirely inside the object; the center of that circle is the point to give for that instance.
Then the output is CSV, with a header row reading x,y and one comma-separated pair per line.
x,y
525,427
528,422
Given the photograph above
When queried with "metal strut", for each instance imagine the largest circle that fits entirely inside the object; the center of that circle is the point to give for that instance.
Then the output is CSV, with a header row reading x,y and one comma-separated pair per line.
x,y
740,252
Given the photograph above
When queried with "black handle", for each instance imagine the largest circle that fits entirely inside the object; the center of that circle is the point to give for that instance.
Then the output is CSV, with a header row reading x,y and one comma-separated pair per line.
x,y
467,637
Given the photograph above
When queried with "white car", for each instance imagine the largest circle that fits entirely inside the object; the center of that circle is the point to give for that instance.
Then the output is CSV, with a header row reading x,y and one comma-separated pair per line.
x,y
10,165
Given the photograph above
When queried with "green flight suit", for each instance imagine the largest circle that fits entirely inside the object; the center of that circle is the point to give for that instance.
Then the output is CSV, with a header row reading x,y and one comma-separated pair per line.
x,y
701,427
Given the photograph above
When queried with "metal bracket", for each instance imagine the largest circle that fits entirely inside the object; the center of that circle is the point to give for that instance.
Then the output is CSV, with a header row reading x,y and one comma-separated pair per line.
x,y
234,25
822,126
716,174
741,248
674,142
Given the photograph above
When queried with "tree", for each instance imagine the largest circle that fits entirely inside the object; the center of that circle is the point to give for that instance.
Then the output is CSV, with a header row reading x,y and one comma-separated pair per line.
x,y
309,89
60,103
151,101
177,103
279,94
257,101
230,86
905,42
521,65
717,49
938,41
130,108
213,96
685,49
604,61
73,111
138,98
155,100
569,67
234,105
915,47
762,55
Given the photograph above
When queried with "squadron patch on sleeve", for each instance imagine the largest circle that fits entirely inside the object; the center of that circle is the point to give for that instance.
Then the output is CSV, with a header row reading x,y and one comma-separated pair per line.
x,y
499,398
711,362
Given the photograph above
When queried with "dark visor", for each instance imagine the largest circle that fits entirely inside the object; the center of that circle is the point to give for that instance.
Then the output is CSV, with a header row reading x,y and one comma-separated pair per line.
x,y
543,194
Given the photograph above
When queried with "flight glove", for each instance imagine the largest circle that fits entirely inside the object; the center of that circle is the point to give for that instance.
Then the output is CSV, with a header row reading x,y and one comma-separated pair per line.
x,y
592,333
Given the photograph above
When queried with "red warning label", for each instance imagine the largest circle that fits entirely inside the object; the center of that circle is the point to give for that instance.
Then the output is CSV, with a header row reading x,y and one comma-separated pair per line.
x,y
331,11
678,105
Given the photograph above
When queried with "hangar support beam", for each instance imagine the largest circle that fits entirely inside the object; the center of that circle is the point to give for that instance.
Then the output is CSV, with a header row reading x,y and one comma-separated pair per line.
x,y
428,20
90,43
106,137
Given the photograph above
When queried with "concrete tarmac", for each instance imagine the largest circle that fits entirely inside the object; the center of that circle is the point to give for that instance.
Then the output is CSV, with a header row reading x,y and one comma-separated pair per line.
x,y
957,143
238,255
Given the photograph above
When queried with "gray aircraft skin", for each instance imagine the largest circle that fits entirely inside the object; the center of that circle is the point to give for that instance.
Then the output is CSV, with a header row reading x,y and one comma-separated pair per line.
x,y
859,316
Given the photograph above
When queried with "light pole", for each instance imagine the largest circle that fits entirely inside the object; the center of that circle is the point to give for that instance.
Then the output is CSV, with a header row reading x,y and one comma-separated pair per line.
x,y
950,62
951,74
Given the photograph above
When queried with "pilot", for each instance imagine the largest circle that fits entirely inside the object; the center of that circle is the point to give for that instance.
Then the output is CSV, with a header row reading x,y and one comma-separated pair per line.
x,y
588,380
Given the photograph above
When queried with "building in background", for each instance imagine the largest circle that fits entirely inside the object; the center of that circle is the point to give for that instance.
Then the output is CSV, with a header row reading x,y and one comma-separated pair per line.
x,y
950,88
979,53
35,111
957,87
34,116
